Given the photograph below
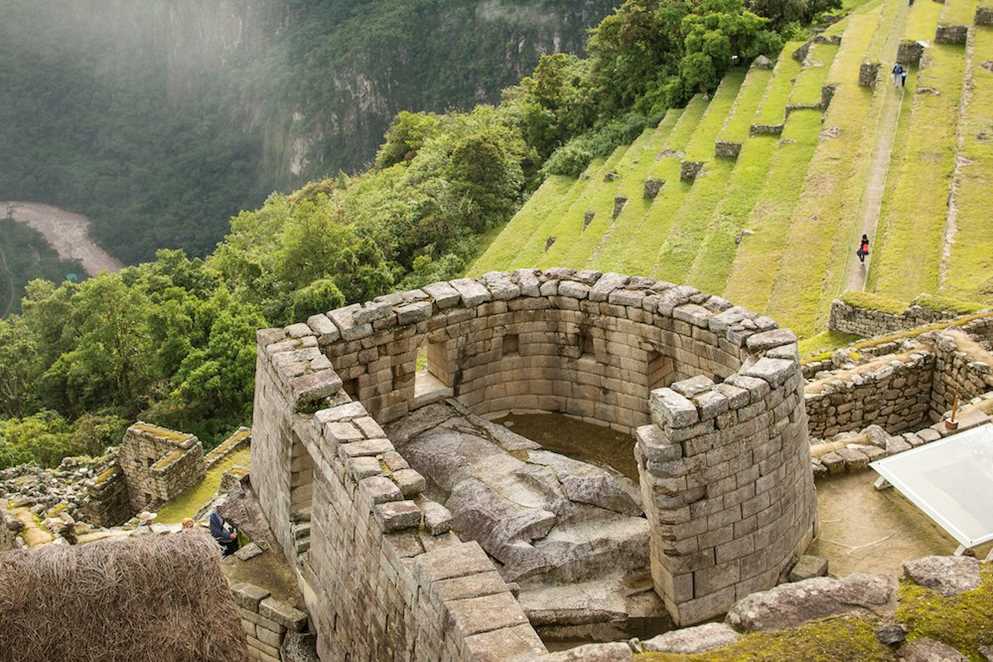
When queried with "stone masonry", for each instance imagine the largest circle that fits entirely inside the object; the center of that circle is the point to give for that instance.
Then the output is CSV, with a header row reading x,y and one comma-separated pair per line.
x,y
869,322
158,464
713,390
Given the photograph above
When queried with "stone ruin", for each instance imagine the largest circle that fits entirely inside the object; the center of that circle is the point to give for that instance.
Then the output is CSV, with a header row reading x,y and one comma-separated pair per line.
x,y
712,393
159,464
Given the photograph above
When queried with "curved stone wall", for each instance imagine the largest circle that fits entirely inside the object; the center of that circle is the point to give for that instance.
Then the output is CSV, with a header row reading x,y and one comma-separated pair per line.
x,y
713,392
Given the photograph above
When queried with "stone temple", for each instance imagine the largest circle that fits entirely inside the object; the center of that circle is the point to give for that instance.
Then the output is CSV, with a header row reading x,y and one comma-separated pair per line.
x,y
422,531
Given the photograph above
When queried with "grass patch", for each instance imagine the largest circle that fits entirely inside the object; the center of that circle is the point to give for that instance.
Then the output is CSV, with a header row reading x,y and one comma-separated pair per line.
x,y
189,502
969,268
942,304
750,96
964,621
807,88
845,638
753,270
870,301
772,110
822,345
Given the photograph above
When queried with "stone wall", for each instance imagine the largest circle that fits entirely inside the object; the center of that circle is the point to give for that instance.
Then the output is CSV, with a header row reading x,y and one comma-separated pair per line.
x,y
266,621
158,464
868,322
893,392
868,74
909,53
108,502
951,34
577,342
984,15
963,370
8,528
383,578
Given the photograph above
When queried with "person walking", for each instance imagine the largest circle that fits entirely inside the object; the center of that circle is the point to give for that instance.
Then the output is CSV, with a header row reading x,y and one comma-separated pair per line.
x,y
863,251
903,78
897,73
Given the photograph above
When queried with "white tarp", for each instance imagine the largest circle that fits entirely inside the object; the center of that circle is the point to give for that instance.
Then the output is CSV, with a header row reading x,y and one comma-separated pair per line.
x,y
951,480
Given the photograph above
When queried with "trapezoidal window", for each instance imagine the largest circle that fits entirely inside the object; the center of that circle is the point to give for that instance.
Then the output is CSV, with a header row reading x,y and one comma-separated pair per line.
x,y
433,376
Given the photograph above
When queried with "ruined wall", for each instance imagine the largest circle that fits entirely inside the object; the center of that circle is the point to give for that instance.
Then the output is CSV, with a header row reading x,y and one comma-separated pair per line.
x,y
265,620
158,464
578,342
108,501
893,392
384,580
963,370
868,322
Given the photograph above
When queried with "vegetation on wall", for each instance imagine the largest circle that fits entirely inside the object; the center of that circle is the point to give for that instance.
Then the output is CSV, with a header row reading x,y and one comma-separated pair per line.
x,y
173,340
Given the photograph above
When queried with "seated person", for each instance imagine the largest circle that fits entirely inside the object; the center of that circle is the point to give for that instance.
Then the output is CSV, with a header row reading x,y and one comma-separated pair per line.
x,y
225,535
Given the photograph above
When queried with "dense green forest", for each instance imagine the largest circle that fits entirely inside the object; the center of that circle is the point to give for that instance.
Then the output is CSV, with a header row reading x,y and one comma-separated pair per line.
x,y
172,340
24,254
161,119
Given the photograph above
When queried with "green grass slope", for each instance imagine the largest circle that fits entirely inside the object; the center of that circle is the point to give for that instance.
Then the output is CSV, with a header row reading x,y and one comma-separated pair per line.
x,y
969,268
912,223
812,269
775,229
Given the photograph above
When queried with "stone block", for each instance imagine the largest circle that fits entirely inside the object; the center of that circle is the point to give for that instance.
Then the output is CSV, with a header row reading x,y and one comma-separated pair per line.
x,y
807,567
485,613
284,614
437,518
380,489
412,313
472,292
671,409
397,515
516,642
443,294
248,595
409,481
454,561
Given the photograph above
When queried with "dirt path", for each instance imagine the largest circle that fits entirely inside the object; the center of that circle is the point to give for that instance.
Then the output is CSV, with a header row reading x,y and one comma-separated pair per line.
x,y
66,232
872,198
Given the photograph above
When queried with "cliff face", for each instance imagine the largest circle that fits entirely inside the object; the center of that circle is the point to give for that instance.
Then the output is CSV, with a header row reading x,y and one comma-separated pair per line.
x,y
159,119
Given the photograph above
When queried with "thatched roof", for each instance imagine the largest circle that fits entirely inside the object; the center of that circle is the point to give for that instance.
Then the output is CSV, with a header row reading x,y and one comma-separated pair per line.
x,y
155,598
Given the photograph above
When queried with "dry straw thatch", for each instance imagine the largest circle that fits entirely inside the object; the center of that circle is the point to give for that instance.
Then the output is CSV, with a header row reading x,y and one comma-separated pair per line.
x,y
154,598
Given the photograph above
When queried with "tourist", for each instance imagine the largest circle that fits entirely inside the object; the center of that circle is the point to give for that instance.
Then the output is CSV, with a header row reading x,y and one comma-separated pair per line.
x,y
903,78
225,535
863,250
188,524
897,73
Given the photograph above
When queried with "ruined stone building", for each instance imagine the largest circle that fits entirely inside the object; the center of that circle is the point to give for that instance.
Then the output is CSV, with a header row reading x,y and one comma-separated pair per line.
x,y
712,393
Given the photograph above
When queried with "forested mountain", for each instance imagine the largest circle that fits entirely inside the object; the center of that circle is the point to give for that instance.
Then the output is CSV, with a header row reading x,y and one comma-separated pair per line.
x,y
161,119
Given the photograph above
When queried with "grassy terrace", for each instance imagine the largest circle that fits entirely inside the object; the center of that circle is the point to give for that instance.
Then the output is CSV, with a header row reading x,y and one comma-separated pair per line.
x,y
969,268
692,220
713,260
751,96
912,222
572,216
751,275
807,88
640,163
551,198
811,271
637,237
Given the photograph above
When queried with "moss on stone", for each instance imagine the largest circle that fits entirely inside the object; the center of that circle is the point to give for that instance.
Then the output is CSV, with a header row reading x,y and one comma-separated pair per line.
x,y
964,621
942,303
870,301
845,638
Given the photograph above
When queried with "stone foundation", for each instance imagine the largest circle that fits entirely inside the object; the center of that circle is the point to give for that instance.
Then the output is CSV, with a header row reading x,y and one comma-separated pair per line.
x,y
266,621
383,583
869,322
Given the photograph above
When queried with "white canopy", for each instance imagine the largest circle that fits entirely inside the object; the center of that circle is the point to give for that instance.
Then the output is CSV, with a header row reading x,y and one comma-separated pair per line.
x,y
951,480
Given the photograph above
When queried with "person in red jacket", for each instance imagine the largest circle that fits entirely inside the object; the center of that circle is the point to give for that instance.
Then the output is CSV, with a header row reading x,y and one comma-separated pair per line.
x,y
863,250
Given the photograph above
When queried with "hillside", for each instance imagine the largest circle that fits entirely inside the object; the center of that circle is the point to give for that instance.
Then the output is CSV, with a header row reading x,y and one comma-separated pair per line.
x,y
796,162
160,120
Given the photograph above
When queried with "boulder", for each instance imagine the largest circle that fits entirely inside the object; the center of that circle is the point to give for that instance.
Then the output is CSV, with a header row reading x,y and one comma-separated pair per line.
x,y
949,575
929,650
789,605
891,634
585,483
687,641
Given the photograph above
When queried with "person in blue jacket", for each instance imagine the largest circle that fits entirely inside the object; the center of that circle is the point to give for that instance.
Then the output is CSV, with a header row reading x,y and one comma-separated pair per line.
x,y
224,534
